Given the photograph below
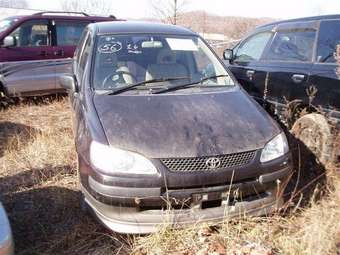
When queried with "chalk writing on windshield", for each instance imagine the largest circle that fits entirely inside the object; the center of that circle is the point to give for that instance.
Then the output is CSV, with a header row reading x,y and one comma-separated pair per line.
x,y
111,47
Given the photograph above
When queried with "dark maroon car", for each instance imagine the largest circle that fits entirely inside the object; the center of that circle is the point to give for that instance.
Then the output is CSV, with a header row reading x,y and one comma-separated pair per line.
x,y
36,49
165,135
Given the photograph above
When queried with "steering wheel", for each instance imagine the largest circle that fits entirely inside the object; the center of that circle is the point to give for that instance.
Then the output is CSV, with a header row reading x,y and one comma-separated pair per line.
x,y
115,78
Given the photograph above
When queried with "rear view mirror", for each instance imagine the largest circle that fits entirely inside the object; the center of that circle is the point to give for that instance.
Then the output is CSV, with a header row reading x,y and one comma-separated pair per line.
x,y
9,41
68,82
228,54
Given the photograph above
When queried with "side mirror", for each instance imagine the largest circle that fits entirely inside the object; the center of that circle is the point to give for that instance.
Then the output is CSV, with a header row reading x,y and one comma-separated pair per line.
x,y
9,41
228,54
68,82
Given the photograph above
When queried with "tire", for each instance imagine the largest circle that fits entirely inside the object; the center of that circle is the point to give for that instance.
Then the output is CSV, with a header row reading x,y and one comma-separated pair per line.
x,y
315,133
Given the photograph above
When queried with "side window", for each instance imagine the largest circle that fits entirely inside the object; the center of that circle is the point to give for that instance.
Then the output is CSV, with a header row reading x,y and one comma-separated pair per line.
x,y
294,45
80,45
84,55
68,32
329,39
253,47
32,34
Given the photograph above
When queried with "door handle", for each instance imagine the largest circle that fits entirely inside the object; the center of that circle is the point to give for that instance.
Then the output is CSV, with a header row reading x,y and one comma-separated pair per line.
x,y
43,53
59,53
298,78
250,74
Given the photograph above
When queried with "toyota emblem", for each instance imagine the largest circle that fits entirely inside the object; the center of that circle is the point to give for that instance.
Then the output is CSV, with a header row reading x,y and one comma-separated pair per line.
x,y
213,163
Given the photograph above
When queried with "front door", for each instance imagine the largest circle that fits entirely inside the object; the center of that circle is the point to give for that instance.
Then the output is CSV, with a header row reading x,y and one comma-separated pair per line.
x,y
28,66
246,63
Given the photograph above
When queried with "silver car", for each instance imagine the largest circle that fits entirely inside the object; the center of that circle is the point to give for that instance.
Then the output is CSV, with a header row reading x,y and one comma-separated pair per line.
x,y
6,240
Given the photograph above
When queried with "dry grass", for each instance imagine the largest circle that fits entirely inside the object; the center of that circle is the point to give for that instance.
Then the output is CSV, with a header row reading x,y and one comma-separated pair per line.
x,y
312,230
39,190
39,184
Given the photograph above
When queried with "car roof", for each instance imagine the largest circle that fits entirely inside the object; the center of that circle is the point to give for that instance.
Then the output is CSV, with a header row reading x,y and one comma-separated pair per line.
x,y
136,27
62,15
15,17
312,18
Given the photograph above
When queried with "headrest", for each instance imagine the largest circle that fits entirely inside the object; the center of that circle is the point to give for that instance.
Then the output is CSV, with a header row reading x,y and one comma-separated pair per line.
x,y
166,57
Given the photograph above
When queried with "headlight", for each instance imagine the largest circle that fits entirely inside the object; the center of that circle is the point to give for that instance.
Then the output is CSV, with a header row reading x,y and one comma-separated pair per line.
x,y
277,147
112,160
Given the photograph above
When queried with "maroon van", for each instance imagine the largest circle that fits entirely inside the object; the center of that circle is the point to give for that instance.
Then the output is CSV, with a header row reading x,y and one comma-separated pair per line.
x,y
36,49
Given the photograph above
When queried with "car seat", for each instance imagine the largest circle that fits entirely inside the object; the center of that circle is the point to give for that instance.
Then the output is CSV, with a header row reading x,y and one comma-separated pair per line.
x,y
166,66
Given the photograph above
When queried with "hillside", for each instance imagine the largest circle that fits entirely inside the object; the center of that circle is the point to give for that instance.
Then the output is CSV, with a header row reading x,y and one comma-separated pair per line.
x,y
232,27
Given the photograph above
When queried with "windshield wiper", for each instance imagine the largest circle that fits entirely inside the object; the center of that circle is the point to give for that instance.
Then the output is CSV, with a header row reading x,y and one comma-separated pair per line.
x,y
125,88
181,86
213,77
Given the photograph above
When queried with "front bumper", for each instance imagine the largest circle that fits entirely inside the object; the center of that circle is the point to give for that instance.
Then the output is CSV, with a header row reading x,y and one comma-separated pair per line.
x,y
6,241
139,204
131,220
142,210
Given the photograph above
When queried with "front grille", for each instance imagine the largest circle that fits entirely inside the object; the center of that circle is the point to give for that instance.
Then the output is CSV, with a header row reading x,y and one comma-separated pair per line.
x,y
200,163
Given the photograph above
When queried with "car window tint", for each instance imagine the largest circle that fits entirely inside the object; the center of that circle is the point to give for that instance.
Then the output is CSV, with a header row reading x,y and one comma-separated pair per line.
x,y
292,46
253,47
85,54
329,39
32,34
80,46
69,33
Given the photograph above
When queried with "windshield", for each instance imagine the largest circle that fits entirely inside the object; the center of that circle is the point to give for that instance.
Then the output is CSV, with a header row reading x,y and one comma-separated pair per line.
x,y
6,23
122,60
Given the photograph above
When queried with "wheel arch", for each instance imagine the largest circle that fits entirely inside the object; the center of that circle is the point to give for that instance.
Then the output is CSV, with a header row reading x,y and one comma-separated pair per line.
x,y
297,109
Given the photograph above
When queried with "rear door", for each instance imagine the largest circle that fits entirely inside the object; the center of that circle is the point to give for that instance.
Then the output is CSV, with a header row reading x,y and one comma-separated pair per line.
x,y
67,34
288,62
326,72
27,66
246,64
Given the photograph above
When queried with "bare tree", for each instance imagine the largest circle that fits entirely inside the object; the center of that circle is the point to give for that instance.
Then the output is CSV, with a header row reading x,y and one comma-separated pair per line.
x,y
13,4
102,7
168,11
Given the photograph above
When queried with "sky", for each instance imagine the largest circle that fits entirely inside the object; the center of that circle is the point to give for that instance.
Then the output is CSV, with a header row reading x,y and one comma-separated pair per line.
x,y
248,8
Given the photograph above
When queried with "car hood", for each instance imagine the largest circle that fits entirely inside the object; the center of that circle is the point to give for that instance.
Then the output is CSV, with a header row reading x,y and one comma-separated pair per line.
x,y
185,125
